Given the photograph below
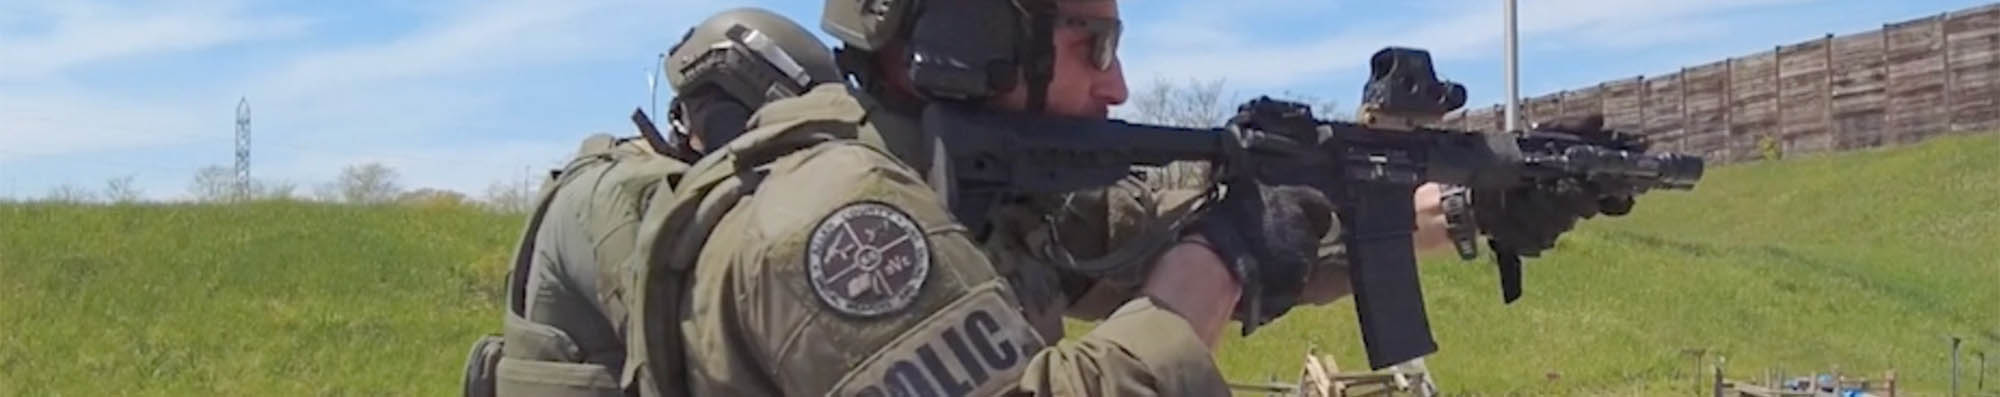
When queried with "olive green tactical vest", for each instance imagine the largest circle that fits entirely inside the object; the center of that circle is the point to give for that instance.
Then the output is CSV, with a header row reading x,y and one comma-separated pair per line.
x,y
532,359
675,229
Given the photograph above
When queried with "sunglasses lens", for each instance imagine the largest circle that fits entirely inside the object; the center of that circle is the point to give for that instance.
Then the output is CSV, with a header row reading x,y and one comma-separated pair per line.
x,y
1104,33
1107,49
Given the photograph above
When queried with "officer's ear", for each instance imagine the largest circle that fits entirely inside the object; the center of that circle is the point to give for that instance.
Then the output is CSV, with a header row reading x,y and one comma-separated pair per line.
x,y
677,113
1014,99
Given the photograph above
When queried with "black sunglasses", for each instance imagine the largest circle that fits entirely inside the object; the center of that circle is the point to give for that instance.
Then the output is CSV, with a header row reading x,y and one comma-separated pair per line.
x,y
1104,34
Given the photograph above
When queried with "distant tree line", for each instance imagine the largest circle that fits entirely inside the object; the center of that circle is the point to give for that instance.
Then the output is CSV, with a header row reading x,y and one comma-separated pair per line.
x,y
1194,103
361,184
1205,104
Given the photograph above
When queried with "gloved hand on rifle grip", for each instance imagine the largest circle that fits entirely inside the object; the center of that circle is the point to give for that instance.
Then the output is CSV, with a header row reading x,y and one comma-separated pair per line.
x,y
1269,235
1528,219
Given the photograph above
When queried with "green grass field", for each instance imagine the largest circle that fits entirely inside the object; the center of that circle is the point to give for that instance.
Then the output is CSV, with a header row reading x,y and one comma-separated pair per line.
x,y
1862,261
270,299
1865,261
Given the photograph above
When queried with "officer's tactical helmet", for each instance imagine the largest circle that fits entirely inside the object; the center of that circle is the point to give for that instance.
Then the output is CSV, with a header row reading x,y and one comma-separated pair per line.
x,y
733,63
967,50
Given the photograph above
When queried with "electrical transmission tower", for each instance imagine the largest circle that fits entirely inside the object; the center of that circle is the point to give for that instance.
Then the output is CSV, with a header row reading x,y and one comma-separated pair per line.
x,y
243,147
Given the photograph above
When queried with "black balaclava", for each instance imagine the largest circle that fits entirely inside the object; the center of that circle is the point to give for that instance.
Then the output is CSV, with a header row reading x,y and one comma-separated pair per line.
x,y
713,116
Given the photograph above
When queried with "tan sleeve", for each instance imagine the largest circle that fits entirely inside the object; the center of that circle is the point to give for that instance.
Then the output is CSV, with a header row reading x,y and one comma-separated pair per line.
x,y
1122,226
1142,350
1126,226
1184,183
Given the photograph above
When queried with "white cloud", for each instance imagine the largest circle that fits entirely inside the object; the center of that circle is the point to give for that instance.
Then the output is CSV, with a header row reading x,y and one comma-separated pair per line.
x,y
406,98
56,123
79,32
1465,29
43,113
406,102
456,69
497,35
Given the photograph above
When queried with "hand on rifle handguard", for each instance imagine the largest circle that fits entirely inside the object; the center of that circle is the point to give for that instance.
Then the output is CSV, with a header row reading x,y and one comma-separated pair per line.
x,y
1527,219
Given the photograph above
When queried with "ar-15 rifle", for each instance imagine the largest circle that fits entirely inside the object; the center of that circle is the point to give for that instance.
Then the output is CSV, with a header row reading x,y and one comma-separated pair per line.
x,y
1369,170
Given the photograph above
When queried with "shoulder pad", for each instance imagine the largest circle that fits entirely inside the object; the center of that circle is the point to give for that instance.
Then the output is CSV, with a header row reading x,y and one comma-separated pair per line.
x,y
830,109
595,144
829,102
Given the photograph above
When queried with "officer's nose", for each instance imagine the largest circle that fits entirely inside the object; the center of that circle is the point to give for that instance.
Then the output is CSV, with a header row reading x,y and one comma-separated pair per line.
x,y
1110,85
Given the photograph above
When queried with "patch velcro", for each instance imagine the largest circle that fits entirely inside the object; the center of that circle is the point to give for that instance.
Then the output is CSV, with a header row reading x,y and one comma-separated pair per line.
x,y
978,346
868,259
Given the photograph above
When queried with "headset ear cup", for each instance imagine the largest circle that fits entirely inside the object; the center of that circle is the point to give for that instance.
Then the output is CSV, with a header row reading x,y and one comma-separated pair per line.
x,y
965,51
1002,75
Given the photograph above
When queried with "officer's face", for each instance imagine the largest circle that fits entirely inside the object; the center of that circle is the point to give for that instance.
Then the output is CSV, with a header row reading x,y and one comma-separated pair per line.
x,y
1088,79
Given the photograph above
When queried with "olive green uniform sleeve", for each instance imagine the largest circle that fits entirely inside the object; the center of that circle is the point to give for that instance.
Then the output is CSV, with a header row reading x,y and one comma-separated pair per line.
x,y
1124,227
1179,187
1141,350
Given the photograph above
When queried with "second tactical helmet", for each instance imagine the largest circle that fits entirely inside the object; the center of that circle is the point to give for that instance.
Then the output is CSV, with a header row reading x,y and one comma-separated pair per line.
x,y
755,54
736,61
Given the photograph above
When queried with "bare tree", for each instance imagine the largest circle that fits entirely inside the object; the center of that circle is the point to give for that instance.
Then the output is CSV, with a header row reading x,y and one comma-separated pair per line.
x,y
217,184
516,196
433,196
370,183
1322,108
326,192
213,183
273,190
120,190
71,194
1201,104
1197,104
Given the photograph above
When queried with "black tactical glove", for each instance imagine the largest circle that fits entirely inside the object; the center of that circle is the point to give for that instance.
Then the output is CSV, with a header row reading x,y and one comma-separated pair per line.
x,y
1269,235
1269,224
1524,220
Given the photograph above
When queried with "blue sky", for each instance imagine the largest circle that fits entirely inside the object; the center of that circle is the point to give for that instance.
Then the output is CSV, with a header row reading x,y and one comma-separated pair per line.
x,y
459,94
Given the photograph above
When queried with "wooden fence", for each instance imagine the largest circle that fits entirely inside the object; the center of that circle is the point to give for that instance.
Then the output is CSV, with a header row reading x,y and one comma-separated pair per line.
x,y
1903,83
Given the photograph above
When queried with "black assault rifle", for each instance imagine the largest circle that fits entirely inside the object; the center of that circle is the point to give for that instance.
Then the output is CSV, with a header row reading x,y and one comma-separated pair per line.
x,y
1369,170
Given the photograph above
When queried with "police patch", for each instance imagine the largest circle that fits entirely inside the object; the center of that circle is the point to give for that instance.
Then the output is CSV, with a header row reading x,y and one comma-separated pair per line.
x,y
867,259
978,345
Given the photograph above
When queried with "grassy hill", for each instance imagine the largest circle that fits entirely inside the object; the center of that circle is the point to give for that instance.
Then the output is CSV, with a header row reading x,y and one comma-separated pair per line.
x,y
268,299
1863,261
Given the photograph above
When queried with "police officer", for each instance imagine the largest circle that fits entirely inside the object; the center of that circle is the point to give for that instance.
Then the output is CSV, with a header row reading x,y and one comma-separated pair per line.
x,y
566,319
814,254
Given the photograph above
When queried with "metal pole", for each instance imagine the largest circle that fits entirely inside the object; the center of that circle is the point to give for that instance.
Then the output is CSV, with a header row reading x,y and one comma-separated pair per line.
x,y
659,69
1982,371
1513,71
1695,372
1954,366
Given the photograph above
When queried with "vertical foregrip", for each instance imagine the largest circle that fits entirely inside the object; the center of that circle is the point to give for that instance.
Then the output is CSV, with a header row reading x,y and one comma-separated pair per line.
x,y
1388,296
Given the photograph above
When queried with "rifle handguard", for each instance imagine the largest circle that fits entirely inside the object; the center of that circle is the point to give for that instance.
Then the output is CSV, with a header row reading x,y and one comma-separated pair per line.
x,y
1370,174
